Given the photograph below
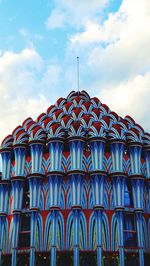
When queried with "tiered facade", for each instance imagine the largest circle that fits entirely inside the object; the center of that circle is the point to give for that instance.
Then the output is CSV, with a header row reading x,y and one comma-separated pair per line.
x,y
75,188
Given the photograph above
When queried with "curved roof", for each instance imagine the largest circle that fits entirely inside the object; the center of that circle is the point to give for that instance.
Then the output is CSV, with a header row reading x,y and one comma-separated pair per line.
x,y
78,115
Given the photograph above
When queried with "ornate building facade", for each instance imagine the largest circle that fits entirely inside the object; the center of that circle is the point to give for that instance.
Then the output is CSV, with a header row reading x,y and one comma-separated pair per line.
x,y
75,188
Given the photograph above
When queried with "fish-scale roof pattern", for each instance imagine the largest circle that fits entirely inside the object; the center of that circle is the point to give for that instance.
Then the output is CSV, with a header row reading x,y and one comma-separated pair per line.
x,y
79,116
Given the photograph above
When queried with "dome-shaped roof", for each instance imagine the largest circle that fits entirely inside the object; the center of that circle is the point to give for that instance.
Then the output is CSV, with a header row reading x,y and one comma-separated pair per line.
x,y
79,116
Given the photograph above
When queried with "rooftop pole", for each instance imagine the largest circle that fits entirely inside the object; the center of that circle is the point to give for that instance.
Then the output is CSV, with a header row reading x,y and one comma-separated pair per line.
x,y
78,73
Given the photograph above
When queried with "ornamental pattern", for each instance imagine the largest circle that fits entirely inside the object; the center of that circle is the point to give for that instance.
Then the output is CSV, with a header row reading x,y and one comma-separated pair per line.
x,y
77,179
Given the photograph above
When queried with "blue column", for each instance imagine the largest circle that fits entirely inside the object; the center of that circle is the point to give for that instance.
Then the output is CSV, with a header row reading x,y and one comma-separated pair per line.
x,y
20,157
118,180
120,236
32,237
76,174
54,237
117,141
2,222
6,163
4,196
17,192
4,199
76,239
35,181
16,219
56,137
97,138
139,221
55,185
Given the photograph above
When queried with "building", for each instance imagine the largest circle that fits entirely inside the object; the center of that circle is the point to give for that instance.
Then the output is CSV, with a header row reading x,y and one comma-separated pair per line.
x,y
75,188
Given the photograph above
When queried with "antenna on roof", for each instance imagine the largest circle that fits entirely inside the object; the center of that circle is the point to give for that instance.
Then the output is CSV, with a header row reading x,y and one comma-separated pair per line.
x,y
78,73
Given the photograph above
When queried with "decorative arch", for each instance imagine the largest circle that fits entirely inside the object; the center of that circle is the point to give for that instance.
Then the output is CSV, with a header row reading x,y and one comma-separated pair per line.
x,y
105,233
4,234
92,231
83,233
38,233
59,232
69,232
145,234
114,233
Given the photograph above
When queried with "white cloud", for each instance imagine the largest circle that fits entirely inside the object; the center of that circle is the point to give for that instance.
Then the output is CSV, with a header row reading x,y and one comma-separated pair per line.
x,y
28,85
74,13
116,56
130,98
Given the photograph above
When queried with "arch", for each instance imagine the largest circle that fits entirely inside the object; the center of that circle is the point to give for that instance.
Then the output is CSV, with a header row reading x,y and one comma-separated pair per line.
x,y
114,233
59,232
105,232
92,231
69,232
48,232
149,232
11,232
38,233
83,232
4,234
145,233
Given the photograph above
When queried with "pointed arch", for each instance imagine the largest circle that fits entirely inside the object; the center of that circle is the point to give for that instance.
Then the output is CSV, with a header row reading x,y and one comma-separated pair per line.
x,y
11,232
4,234
60,232
83,233
114,233
145,233
69,231
48,232
38,233
105,233
92,231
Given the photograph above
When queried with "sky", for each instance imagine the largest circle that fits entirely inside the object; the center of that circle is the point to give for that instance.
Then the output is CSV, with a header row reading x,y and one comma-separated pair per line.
x,y
39,43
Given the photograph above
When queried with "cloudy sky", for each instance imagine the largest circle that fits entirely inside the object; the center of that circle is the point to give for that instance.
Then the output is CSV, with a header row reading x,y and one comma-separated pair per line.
x,y
39,43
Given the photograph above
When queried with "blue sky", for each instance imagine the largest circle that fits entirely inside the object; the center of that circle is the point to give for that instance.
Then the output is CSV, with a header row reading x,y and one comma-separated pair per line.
x,y
39,43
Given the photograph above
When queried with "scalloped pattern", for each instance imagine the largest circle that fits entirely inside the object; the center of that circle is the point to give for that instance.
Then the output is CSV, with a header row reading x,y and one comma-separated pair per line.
x,y
78,115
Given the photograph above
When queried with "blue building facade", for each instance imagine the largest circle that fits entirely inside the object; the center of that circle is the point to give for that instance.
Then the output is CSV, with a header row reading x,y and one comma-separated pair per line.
x,y
75,188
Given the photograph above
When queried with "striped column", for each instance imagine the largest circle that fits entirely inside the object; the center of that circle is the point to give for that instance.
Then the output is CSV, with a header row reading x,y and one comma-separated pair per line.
x,y
117,142
76,176
4,199
35,181
6,163
16,220
55,185
137,181
55,178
